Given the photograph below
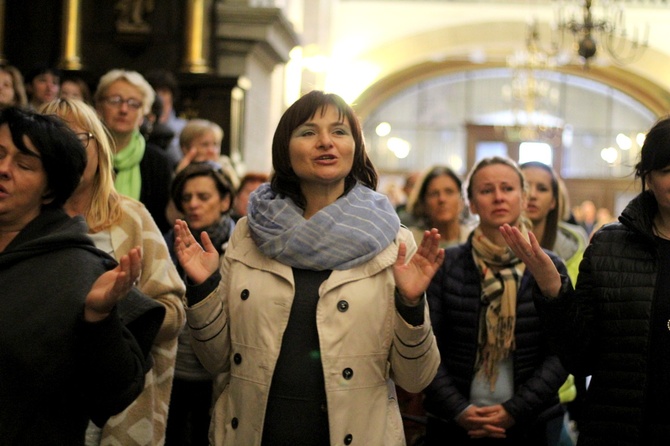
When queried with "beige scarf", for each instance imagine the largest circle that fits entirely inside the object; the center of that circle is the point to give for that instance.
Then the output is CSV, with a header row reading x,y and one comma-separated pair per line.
x,y
501,271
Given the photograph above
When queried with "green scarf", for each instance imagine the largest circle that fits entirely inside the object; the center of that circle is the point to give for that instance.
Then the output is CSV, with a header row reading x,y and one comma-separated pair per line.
x,y
127,165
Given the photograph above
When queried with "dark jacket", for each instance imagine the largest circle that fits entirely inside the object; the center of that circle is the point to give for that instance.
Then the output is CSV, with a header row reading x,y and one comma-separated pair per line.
x,y
455,306
57,371
603,329
156,170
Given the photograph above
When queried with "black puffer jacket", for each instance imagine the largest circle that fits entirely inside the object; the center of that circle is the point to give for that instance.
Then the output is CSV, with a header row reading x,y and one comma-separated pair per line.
x,y
455,306
603,329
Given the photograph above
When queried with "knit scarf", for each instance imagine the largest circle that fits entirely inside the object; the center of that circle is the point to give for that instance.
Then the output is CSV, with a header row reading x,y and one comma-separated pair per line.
x,y
501,272
346,233
127,165
219,233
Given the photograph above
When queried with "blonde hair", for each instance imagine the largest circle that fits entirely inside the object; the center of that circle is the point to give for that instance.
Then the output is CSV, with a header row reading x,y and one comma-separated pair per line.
x,y
485,162
105,209
195,128
132,77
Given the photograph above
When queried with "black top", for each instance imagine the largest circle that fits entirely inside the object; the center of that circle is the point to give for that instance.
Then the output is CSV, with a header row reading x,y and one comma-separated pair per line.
x,y
609,328
156,171
57,371
659,366
297,409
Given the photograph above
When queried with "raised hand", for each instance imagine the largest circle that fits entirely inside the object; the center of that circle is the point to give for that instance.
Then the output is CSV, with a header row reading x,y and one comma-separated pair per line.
x,y
412,278
187,159
112,286
198,263
537,261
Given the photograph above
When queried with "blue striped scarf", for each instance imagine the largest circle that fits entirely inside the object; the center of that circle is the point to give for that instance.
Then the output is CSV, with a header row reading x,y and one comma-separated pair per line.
x,y
348,232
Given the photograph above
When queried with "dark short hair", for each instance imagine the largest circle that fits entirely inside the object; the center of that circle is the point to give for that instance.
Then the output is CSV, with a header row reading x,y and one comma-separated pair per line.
x,y
417,200
39,70
200,169
63,156
655,152
162,79
284,180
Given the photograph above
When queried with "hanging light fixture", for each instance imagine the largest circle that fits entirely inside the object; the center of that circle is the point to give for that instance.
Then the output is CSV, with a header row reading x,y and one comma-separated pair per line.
x,y
608,32
530,94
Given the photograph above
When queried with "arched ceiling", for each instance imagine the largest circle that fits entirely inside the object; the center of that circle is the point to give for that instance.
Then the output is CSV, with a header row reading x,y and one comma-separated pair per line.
x,y
406,61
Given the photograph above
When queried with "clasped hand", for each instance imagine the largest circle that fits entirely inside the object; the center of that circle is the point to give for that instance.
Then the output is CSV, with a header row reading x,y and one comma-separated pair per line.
x,y
487,421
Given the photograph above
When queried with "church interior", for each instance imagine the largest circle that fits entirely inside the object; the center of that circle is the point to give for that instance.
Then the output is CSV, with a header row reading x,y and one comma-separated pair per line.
x,y
575,84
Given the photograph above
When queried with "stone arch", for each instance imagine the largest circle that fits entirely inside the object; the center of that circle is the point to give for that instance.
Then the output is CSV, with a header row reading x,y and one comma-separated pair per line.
x,y
407,61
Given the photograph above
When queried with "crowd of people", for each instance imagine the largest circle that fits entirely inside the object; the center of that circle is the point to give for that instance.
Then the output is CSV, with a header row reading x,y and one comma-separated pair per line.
x,y
154,294
85,195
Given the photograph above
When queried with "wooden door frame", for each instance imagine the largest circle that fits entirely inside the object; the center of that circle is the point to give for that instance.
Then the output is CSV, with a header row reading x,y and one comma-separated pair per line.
x,y
602,191
477,133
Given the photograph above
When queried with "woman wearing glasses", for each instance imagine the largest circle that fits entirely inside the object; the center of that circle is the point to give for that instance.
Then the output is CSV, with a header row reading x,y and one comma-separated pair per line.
x,y
143,171
66,356
116,224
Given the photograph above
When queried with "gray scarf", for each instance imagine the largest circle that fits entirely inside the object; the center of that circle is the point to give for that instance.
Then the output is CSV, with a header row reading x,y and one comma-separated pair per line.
x,y
348,232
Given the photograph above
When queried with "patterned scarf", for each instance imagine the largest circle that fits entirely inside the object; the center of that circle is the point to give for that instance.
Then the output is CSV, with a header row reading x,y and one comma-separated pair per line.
x,y
346,233
501,272
219,233
127,165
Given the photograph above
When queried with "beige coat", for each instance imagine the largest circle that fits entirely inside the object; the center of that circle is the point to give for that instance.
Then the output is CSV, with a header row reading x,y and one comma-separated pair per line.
x,y
144,421
237,333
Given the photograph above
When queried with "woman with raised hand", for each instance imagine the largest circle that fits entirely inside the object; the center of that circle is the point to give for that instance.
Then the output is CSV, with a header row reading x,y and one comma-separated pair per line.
x,y
66,355
614,325
203,194
498,380
320,305
116,224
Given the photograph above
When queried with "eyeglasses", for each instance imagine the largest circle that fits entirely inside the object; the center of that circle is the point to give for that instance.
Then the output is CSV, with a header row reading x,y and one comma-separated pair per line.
x,y
117,101
85,138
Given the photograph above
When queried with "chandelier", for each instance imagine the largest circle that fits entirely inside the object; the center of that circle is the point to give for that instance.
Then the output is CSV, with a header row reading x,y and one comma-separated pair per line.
x,y
530,94
608,32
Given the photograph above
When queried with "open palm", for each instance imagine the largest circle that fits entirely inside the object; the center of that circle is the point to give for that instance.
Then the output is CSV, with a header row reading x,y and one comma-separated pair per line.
x,y
113,286
413,277
199,262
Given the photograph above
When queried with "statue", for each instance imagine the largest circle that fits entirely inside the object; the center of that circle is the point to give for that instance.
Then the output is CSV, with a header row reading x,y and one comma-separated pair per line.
x,y
131,15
